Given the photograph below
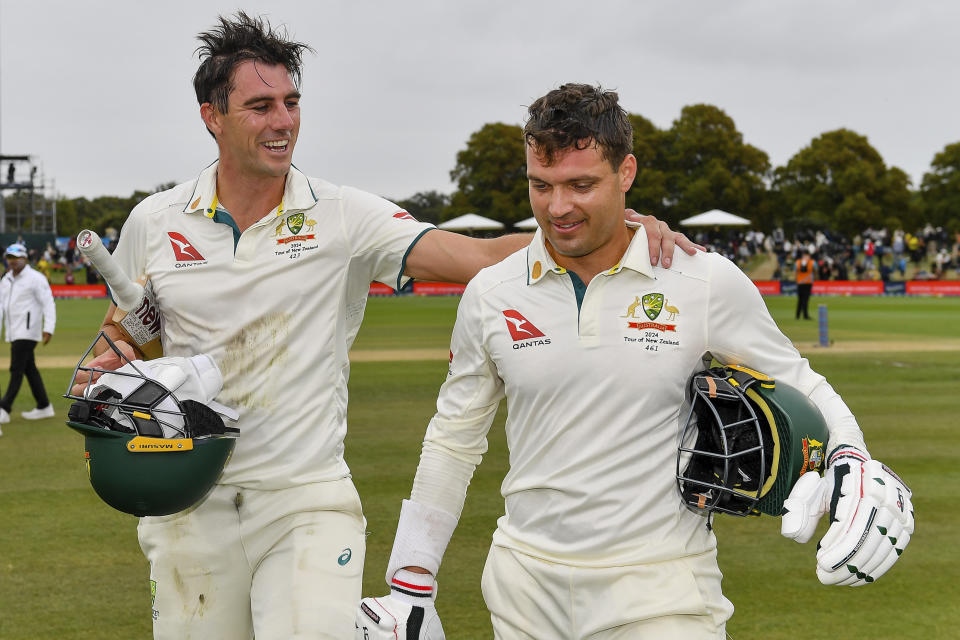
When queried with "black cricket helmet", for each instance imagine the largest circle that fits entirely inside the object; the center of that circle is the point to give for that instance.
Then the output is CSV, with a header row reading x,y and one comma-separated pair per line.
x,y
148,452
746,440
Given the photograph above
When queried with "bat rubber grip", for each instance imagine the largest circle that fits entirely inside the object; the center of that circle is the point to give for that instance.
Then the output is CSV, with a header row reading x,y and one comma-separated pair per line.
x,y
127,294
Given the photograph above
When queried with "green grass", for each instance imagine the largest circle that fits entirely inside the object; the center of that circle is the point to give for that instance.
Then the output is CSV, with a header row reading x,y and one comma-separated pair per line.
x,y
407,322
70,567
870,318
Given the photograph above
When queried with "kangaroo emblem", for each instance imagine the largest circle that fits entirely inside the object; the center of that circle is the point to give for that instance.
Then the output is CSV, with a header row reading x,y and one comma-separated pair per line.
x,y
631,310
279,230
180,243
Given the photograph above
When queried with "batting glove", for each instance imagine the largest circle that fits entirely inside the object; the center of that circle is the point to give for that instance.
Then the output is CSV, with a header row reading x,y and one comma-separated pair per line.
x,y
871,517
407,613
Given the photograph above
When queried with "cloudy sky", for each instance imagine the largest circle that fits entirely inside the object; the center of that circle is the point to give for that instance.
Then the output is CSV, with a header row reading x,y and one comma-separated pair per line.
x,y
99,92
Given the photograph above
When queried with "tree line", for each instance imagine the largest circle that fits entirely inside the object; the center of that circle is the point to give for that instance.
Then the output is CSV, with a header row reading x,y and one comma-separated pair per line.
x,y
837,183
105,212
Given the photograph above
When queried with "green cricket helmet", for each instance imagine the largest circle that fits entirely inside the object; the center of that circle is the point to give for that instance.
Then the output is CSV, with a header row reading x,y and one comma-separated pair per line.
x,y
149,452
746,440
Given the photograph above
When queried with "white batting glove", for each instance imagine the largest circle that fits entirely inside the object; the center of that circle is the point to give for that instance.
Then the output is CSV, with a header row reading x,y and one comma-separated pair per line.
x,y
871,517
196,378
407,613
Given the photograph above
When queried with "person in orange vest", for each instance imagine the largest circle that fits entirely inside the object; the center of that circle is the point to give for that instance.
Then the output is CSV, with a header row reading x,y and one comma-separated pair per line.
x,y
805,269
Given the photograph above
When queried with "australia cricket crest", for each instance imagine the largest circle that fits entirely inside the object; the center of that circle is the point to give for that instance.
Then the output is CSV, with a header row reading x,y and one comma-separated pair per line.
x,y
301,238
655,306
295,223
652,305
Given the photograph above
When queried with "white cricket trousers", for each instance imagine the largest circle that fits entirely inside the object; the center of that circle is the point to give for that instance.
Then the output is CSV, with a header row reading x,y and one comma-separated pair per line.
x,y
533,599
277,565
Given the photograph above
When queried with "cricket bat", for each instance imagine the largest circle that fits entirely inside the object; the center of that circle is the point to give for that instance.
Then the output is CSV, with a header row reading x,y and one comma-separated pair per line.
x,y
137,314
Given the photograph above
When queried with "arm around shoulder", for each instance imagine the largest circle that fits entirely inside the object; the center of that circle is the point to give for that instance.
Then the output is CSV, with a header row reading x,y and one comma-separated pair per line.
x,y
453,257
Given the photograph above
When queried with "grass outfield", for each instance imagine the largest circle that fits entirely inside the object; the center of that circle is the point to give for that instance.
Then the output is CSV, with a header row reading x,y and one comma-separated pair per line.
x,y
70,567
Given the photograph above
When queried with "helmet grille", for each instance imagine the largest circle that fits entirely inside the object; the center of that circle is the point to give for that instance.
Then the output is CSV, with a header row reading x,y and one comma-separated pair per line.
x,y
733,454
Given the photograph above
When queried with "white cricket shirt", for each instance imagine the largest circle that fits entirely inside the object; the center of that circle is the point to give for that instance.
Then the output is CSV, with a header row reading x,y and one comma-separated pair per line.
x,y
594,394
277,307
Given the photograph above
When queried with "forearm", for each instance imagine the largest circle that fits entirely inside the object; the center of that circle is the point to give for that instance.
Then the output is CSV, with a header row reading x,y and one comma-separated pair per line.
x,y
500,248
442,479
840,420
452,257
487,252
428,519
423,534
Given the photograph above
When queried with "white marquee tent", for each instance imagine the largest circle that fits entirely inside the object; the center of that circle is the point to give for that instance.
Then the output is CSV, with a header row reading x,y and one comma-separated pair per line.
x,y
470,222
528,223
714,217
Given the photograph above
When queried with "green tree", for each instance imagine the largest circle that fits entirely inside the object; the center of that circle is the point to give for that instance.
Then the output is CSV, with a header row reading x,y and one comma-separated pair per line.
x,y
491,175
426,206
67,220
707,165
839,181
650,193
700,163
76,214
940,188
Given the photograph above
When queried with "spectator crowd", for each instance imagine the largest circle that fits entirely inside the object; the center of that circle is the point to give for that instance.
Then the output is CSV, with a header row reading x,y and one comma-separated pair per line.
x,y
875,254
74,265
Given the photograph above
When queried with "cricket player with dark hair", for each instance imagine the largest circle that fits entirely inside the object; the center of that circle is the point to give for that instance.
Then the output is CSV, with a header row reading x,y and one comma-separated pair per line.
x,y
595,541
267,271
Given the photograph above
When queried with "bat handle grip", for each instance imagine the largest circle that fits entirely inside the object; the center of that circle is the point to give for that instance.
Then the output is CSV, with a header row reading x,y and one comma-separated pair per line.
x,y
126,293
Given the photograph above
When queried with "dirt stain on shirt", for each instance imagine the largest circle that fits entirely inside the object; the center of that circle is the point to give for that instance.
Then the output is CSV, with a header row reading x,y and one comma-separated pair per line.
x,y
250,358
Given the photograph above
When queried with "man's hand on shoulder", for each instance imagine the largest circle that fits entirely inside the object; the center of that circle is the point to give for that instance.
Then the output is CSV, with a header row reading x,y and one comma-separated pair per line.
x,y
662,241
407,612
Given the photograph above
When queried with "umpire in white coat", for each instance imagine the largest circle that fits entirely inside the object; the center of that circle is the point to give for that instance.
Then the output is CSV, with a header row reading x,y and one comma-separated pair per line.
x,y
30,316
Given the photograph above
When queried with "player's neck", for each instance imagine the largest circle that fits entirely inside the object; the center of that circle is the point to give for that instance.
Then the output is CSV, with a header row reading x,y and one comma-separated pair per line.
x,y
597,261
248,198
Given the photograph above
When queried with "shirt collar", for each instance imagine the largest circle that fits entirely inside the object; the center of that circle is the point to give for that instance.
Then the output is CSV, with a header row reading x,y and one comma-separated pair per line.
x,y
26,268
636,258
297,193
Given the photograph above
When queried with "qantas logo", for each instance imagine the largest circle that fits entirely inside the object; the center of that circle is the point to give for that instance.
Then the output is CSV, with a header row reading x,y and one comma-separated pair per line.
x,y
520,328
184,253
403,215
522,331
